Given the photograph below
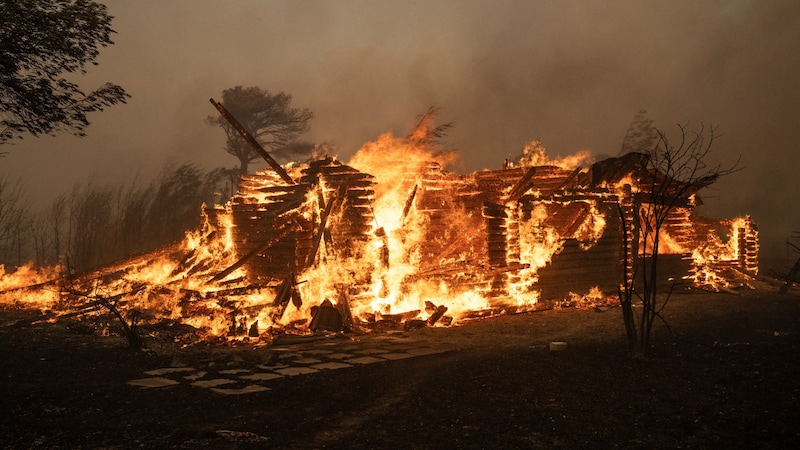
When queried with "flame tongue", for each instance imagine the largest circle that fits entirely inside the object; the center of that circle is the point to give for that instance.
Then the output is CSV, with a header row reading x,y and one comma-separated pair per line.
x,y
390,237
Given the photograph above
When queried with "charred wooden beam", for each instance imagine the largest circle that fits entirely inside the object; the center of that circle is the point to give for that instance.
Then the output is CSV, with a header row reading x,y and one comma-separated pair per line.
x,y
130,330
326,317
286,293
409,202
570,178
323,221
261,248
343,305
437,314
253,143
522,186
400,317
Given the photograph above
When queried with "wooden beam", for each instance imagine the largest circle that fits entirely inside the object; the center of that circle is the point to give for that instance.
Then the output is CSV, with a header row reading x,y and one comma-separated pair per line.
x,y
261,248
323,221
409,202
522,186
253,143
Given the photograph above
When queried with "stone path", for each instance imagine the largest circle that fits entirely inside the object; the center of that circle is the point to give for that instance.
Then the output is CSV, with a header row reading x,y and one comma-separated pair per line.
x,y
294,359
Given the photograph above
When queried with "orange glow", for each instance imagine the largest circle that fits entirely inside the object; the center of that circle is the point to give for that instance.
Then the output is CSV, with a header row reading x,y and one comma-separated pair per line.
x,y
437,247
535,154
15,287
715,256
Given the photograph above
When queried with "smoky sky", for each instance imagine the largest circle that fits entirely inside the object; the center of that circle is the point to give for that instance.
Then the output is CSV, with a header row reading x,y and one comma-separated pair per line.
x,y
570,73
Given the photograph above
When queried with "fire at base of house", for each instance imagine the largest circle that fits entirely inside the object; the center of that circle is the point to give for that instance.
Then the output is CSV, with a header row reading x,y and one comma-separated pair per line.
x,y
391,239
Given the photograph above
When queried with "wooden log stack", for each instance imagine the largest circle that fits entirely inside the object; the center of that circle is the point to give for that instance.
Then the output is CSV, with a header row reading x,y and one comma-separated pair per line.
x,y
262,209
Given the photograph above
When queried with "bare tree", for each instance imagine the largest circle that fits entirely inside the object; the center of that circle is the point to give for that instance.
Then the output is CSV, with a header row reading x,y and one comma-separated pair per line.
x,y
14,218
176,200
674,173
48,229
94,225
268,117
91,225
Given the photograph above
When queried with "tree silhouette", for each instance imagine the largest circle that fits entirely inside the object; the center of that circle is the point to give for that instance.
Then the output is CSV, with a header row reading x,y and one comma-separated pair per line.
x,y
268,117
40,42
674,172
642,135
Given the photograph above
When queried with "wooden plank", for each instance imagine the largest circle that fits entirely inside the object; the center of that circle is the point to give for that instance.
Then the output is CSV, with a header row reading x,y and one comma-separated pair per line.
x,y
258,249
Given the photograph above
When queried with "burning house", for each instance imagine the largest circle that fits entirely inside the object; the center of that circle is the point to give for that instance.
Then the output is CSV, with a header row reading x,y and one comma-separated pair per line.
x,y
514,237
393,238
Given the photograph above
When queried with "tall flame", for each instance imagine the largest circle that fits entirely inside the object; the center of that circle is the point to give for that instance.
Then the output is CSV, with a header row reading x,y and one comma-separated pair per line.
x,y
428,248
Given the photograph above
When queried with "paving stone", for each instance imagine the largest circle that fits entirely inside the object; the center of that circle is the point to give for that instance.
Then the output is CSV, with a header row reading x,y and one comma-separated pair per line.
x,y
153,382
292,371
422,351
212,383
349,348
282,349
276,366
364,360
245,390
168,370
331,365
399,347
317,351
234,371
298,360
371,351
195,376
396,356
261,376
306,361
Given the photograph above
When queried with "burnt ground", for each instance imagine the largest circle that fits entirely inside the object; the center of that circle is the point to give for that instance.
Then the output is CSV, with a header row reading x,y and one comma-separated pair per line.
x,y
726,376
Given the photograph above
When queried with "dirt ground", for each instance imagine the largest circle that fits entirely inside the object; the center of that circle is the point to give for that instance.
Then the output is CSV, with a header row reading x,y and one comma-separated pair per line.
x,y
724,374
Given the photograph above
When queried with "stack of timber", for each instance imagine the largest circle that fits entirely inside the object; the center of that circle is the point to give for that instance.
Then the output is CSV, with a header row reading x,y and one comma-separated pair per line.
x,y
496,184
266,209
453,228
748,246
497,237
715,234
351,220
580,265
679,228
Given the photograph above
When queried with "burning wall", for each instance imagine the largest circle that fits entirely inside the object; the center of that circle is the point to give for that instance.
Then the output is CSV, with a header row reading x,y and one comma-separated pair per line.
x,y
393,237
501,240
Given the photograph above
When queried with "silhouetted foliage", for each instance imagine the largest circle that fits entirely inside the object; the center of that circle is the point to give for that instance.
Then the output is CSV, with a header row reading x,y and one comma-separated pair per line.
x,y
14,220
96,224
642,136
40,41
674,172
268,117
427,135
175,204
91,225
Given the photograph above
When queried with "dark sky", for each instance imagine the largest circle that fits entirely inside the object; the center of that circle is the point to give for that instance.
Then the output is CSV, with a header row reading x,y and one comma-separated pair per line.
x,y
570,73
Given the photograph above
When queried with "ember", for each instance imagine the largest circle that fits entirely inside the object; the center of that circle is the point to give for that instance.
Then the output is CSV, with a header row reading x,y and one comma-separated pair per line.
x,y
392,239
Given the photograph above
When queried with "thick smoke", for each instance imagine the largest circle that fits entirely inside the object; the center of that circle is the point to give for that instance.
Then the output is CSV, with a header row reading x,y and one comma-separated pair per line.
x,y
570,74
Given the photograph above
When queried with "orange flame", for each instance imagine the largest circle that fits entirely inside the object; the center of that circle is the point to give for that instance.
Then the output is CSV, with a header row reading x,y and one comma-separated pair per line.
x,y
202,283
